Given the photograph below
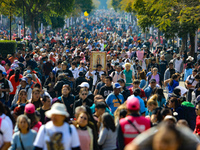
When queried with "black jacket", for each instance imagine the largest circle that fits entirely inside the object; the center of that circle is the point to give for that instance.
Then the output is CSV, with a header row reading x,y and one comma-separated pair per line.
x,y
58,86
79,102
69,102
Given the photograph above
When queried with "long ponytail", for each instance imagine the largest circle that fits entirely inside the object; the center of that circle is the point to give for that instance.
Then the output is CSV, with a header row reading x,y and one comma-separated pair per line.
x,y
17,73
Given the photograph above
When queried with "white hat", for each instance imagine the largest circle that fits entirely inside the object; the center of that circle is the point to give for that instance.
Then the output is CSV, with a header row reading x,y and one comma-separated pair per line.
x,y
84,84
42,50
190,58
51,53
37,47
144,46
57,109
169,117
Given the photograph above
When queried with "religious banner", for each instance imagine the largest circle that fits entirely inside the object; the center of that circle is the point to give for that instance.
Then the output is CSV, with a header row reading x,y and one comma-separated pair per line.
x,y
98,58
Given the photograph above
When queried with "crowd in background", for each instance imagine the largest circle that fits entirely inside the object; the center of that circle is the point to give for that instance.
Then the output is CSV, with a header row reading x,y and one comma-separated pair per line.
x,y
52,99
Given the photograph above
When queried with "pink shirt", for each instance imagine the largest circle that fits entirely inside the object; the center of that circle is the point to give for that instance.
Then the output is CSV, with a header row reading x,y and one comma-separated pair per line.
x,y
84,138
140,54
37,126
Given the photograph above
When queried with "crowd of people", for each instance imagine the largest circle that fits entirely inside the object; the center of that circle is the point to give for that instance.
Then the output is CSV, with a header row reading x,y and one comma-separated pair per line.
x,y
52,99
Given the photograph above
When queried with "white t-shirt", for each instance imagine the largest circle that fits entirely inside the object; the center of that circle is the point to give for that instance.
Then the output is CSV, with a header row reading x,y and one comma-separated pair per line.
x,y
178,64
94,76
58,136
7,132
2,68
75,72
3,116
191,79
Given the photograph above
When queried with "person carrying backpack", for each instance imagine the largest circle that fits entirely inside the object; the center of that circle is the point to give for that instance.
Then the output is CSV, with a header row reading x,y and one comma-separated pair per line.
x,y
57,134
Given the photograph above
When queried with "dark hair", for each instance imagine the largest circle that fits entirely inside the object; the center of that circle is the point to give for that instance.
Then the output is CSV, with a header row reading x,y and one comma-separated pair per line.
x,y
37,85
17,73
2,108
143,75
44,99
110,78
100,105
33,119
11,73
165,111
160,94
123,112
136,92
177,92
174,76
59,62
108,122
49,78
8,113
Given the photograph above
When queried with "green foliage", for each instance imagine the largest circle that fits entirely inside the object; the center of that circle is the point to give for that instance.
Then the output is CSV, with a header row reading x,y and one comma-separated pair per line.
x,y
57,22
7,47
116,4
84,5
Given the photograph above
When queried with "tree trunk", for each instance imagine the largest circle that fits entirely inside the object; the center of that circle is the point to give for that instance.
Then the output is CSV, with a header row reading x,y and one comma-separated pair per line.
x,y
184,38
192,42
159,37
33,28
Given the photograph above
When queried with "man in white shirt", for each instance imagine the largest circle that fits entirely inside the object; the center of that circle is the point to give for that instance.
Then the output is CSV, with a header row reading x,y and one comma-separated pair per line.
x,y
178,63
95,75
2,68
116,75
190,84
74,70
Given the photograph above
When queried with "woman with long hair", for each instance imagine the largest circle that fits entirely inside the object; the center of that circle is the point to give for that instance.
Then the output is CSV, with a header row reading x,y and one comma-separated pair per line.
x,y
84,132
36,99
22,99
172,82
143,81
49,84
29,111
160,96
108,134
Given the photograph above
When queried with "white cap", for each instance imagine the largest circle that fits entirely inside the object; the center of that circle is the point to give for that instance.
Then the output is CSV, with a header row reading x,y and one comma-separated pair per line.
x,y
144,46
42,50
51,53
37,47
84,84
57,109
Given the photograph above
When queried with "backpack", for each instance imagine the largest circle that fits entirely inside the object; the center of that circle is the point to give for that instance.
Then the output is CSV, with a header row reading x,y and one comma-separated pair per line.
x,y
189,115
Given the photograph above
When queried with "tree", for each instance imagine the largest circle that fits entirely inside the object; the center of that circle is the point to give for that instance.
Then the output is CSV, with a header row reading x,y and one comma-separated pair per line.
x,y
84,5
172,17
48,8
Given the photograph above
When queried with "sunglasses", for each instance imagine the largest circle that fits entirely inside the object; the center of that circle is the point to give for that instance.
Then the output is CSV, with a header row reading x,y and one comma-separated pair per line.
x,y
84,94
83,118
196,109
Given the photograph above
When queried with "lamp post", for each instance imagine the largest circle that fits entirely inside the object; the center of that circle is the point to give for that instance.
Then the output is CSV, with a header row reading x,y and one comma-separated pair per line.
x,y
19,30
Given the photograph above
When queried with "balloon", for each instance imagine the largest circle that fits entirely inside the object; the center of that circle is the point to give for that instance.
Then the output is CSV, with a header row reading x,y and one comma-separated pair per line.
x,y
86,14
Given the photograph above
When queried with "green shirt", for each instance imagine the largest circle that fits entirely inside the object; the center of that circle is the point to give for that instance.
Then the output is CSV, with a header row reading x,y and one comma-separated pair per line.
x,y
128,76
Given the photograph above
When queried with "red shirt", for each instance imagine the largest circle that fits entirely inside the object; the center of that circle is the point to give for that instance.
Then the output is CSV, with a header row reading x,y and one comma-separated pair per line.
x,y
14,84
197,128
142,93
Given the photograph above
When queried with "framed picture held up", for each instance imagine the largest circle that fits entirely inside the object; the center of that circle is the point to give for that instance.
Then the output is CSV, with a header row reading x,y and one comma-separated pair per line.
x,y
98,58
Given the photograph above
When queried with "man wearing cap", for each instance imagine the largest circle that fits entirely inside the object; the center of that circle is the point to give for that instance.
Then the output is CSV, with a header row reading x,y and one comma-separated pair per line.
x,y
178,63
115,99
23,85
134,124
153,64
57,129
150,88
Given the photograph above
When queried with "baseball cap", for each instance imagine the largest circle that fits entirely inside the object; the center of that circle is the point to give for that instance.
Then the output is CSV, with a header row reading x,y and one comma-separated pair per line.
x,y
133,103
29,108
116,86
23,79
67,51
152,80
29,76
121,80
84,84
